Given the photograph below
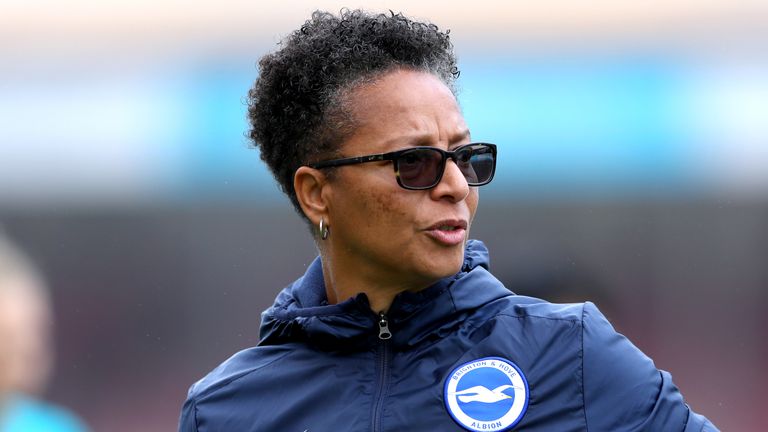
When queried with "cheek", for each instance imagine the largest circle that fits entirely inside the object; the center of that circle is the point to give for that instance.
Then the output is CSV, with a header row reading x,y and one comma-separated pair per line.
x,y
386,209
394,203
472,200
372,207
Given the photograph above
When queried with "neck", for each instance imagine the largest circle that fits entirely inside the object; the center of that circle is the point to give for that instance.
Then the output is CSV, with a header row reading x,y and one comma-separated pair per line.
x,y
380,287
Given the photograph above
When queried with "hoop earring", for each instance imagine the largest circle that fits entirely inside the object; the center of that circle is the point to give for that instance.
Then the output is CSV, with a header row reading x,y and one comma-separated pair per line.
x,y
323,230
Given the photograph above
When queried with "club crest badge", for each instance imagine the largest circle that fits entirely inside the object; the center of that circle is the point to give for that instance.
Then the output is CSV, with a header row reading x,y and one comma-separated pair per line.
x,y
487,394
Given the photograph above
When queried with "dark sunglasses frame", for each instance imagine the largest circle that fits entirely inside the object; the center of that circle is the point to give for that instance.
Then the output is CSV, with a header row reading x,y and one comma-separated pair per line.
x,y
395,158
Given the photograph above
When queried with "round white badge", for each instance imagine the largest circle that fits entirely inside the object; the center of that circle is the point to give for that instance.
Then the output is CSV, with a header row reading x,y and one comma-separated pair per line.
x,y
487,394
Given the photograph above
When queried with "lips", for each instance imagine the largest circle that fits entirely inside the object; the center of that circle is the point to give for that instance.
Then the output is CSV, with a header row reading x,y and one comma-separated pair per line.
x,y
449,232
449,224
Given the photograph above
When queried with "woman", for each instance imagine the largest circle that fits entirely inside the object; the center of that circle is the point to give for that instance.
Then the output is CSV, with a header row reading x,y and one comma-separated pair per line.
x,y
398,325
25,348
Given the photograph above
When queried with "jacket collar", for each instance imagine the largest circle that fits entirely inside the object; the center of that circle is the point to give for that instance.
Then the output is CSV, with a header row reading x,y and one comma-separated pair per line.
x,y
301,312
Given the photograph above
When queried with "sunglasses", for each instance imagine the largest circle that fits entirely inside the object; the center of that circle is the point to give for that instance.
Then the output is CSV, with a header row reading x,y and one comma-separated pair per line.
x,y
419,168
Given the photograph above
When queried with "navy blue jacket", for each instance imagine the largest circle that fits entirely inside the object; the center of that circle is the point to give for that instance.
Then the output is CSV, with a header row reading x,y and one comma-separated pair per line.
x,y
321,367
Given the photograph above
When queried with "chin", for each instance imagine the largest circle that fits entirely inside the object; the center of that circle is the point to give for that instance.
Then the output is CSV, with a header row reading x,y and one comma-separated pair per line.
x,y
446,264
427,263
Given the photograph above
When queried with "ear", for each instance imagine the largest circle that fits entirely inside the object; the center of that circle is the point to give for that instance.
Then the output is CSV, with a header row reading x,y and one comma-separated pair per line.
x,y
309,184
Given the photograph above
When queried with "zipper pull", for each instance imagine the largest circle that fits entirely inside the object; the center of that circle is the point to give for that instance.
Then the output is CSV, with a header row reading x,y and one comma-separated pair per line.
x,y
384,332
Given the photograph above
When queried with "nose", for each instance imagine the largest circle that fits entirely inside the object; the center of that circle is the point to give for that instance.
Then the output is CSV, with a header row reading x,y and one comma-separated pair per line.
x,y
453,186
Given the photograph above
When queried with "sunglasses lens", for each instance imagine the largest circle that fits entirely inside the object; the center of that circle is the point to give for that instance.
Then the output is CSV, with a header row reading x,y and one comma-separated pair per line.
x,y
477,162
419,168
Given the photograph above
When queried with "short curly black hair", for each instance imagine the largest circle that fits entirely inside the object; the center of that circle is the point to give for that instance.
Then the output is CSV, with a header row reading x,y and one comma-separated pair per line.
x,y
297,108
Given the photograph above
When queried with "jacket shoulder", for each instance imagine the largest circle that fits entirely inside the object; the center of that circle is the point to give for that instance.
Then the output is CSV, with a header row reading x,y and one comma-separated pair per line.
x,y
223,378
241,364
619,387
621,380
532,307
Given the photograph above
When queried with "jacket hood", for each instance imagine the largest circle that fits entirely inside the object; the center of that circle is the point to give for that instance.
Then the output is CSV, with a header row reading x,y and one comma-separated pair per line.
x,y
301,311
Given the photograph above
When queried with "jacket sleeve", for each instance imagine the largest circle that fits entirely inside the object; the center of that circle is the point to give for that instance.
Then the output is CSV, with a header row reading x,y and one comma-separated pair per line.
x,y
188,419
623,390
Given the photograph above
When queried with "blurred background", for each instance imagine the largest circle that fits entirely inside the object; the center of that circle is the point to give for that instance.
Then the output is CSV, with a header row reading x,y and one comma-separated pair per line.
x,y
633,172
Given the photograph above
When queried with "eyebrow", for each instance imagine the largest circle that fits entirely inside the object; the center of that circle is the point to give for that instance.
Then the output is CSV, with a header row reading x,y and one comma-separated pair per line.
x,y
465,134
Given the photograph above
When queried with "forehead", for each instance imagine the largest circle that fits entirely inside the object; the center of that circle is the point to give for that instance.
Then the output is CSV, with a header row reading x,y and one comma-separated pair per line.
x,y
404,108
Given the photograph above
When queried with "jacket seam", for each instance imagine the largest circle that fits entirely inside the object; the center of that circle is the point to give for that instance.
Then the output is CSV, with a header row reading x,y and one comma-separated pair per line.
x,y
212,391
453,300
583,380
194,402
571,320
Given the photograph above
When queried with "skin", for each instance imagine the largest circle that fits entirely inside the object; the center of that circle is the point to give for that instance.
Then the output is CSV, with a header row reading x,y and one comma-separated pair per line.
x,y
380,242
25,357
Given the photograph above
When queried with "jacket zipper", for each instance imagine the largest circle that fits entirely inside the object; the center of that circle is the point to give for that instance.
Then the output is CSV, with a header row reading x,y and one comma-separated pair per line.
x,y
384,333
383,367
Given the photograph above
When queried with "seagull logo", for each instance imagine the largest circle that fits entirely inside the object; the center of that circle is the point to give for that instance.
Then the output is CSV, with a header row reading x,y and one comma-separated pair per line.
x,y
489,394
482,394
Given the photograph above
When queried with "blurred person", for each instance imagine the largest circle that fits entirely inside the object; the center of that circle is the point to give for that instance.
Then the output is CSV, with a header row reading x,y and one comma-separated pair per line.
x,y
25,349
398,325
